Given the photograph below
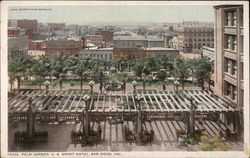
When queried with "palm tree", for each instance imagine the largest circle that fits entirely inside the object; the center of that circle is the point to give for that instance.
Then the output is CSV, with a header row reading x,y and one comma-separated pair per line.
x,y
99,76
19,68
80,68
59,67
202,71
124,78
165,62
39,71
162,75
182,70
141,70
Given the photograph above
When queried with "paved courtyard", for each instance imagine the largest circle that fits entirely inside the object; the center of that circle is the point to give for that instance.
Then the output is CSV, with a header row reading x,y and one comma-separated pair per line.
x,y
165,137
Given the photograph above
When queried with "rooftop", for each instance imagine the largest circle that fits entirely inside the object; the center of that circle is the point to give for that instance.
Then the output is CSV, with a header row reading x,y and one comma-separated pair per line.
x,y
160,48
138,38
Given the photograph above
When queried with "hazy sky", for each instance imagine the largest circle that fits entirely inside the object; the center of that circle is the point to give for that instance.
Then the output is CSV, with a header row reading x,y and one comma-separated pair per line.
x,y
113,14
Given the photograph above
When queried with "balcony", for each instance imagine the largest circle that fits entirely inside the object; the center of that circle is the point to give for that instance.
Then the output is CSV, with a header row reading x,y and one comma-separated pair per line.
x,y
230,30
230,54
230,78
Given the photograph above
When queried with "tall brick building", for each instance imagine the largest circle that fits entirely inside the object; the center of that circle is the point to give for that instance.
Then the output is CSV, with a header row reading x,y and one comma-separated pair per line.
x,y
107,36
28,24
63,47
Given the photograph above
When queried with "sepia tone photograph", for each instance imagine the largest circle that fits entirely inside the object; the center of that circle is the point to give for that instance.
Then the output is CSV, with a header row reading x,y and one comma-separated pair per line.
x,y
103,79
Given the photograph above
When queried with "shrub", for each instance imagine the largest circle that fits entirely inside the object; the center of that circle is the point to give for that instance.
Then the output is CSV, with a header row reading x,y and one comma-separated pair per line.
x,y
212,144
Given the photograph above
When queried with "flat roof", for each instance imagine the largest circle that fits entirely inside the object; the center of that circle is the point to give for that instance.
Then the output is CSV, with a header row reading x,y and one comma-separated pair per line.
x,y
160,48
137,38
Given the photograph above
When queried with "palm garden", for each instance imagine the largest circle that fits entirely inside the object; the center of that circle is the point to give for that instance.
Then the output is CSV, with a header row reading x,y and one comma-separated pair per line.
x,y
151,70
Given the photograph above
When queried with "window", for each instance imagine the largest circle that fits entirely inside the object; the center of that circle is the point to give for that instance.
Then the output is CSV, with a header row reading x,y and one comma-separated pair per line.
x,y
231,91
231,42
234,93
228,89
231,66
241,18
230,18
234,68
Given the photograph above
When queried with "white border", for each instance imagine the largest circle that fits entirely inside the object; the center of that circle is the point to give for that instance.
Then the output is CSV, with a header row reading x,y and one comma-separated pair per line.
x,y
4,79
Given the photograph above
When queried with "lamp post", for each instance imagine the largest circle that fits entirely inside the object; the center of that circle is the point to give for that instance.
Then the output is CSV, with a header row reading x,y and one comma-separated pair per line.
x,y
134,83
91,84
138,99
176,84
47,83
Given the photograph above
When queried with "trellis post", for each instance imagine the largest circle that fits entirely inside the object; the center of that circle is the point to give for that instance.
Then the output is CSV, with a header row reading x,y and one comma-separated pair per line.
x,y
138,99
30,119
85,118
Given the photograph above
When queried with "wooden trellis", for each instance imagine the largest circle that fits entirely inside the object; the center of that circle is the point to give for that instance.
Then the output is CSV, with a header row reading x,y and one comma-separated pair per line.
x,y
66,103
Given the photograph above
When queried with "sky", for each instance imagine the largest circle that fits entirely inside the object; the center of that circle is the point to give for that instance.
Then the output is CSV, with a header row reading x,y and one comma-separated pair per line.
x,y
113,14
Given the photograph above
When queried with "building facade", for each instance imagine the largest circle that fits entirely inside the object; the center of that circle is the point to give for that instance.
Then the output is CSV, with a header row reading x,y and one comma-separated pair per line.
x,y
192,39
36,54
208,52
63,47
94,39
101,53
17,46
106,34
133,42
37,45
229,54
28,24
159,51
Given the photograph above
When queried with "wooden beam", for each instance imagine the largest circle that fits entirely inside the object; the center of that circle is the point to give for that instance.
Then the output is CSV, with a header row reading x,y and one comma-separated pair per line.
x,y
169,102
159,104
163,101
151,101
72,103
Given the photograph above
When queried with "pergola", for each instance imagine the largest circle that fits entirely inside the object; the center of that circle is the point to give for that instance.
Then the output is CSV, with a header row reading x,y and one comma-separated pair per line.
x,y
137,108
72,103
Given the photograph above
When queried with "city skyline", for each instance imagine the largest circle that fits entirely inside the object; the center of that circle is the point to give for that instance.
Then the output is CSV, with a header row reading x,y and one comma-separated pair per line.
x,y
130,14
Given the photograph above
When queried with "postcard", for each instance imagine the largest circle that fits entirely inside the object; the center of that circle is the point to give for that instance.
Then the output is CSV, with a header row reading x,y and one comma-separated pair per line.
x,y
125,79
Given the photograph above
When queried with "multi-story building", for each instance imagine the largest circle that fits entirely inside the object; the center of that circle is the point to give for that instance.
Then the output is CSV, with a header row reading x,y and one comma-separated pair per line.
x,y
94,39
208,52
134,47
192,39
132,42
63,47
37,45
28,24
17,46
106,34
129,53
228,65
98,53
36,54
12,23
55,26
158,51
